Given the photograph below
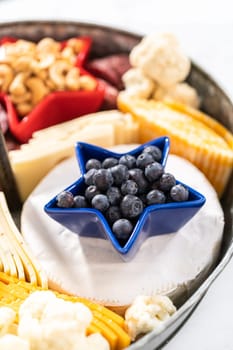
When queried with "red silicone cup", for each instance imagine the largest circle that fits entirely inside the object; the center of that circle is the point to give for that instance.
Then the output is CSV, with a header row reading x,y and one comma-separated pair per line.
x,y
55,108
84,53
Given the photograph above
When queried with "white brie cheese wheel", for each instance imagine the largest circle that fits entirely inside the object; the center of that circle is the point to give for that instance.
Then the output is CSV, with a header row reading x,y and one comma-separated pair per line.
x,y
169,264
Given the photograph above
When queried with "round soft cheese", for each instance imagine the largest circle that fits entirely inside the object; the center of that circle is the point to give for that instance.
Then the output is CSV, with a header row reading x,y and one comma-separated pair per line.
x,y
168,264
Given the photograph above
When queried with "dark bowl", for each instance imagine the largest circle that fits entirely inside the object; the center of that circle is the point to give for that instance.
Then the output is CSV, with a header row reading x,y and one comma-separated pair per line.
x,y
215,102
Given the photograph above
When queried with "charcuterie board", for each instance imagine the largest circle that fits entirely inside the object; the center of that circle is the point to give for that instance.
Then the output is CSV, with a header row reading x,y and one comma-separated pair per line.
x,y
110,41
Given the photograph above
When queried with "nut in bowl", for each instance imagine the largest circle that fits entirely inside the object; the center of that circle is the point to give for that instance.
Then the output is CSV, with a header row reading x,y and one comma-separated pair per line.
x,y
42,84
125,197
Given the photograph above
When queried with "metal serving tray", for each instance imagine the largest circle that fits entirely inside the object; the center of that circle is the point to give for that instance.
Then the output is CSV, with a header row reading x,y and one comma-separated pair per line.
x,y
106,41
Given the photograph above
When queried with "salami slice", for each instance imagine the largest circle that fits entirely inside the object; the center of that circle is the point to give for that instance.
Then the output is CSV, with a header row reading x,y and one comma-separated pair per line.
x,y
110,96
110,68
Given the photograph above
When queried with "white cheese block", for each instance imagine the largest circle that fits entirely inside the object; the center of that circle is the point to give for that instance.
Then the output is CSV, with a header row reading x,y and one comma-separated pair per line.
x,y
50,146
167,264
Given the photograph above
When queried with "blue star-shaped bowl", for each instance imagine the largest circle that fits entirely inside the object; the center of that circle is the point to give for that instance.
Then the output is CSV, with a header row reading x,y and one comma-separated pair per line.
x,y
156,219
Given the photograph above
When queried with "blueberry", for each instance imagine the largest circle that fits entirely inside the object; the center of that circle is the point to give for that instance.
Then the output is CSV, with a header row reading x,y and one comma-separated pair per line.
x,y
102,179
93,164
131,206
179,193
109,162
143,199
100,202
154,151
119,173
122,228
65,199
114,195
143,160
138,176
166,182
153,171
113,214
88,177
128,160
129,187
154,185
80,202
155,197
91,191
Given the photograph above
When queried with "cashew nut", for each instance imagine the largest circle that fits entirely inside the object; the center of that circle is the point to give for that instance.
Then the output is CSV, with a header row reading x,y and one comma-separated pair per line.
x,y
42,74
87,83
19,48
69,54
48,45
73,79
6,77
37,88
25,45
21,98
24,108
3,57
7,60
23,63
76,44
57,73
17,86
46,61
50,85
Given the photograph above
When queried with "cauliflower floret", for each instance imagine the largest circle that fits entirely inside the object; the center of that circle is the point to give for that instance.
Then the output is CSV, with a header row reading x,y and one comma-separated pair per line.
x,y
160,57
50,323
147,313
76,316
12,342
137,84
182,92
34,305
7,317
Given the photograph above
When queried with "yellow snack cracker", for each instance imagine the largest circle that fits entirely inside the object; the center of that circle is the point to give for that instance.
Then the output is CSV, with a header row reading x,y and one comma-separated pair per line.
x,y
193,135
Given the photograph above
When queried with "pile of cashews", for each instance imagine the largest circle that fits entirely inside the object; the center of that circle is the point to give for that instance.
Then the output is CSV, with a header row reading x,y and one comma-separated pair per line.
x,y
30,71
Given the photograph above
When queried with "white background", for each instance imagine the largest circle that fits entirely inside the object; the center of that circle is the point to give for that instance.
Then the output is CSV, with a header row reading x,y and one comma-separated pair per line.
x,y
205,30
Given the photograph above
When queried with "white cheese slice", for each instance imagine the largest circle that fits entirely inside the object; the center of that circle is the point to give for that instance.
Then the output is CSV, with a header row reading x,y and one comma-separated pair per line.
x,y
167,264
50,146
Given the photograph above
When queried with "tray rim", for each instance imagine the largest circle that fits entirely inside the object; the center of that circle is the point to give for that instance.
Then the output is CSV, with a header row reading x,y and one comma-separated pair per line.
x,y
186,309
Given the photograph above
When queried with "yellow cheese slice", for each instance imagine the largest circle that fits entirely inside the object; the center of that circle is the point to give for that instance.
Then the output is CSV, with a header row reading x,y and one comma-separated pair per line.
x,y
50,146
193,135
13,292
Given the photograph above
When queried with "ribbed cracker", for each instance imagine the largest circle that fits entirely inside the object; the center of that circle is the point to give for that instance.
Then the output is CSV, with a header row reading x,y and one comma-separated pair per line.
x,y
15,257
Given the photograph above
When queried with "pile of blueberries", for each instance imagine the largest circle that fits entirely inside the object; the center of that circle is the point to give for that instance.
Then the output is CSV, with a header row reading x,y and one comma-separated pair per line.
x,y
122,188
